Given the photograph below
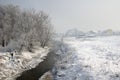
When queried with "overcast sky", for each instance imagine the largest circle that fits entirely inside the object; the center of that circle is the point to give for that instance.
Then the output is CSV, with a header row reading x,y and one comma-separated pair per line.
x,y
82,14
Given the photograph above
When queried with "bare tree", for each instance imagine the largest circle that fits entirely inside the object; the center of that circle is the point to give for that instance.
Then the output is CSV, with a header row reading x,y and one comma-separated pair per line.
x,y
8,19
24,28
44,29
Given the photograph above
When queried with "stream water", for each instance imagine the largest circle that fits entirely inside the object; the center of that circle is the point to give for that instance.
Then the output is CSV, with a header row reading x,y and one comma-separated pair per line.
x,y
38,71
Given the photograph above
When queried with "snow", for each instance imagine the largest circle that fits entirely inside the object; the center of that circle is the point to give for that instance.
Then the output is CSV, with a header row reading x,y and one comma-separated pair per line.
x,y
47,76
10,67
95,58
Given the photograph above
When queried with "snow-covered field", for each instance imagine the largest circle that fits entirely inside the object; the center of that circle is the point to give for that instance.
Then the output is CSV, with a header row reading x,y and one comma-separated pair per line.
x,y
91,59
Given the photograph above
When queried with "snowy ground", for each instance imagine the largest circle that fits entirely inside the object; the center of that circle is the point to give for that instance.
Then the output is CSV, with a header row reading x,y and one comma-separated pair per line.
x,y
12,67
91,59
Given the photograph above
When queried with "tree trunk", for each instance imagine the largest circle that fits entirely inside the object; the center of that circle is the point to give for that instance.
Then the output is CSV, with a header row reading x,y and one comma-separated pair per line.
x,y
3,43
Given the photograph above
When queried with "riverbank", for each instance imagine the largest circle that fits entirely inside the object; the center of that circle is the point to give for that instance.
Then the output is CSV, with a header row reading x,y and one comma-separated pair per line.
x,y
35,73
12,67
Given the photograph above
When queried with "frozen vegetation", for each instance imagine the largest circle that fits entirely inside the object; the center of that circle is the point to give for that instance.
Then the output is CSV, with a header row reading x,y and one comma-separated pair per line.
x,y
96,58
77,33
12,67
25,40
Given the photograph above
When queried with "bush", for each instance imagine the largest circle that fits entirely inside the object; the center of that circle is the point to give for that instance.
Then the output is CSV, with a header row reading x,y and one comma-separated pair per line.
x,y
24,27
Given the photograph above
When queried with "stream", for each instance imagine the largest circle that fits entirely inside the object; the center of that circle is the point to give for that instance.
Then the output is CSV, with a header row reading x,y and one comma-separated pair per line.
x,y
38,71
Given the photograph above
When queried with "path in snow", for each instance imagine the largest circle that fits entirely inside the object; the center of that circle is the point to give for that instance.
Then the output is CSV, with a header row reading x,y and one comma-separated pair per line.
x,y
91,59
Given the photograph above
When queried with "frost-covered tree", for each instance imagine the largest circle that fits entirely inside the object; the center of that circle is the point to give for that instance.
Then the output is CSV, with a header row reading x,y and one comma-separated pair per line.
x,y
24,28
8,19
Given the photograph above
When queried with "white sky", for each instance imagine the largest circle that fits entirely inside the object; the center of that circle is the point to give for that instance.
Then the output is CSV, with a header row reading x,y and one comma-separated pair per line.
x,y
82,14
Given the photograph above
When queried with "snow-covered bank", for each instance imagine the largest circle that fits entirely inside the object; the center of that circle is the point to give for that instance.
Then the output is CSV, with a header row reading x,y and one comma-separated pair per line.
x,y
91,59
12,67
47,76
35,73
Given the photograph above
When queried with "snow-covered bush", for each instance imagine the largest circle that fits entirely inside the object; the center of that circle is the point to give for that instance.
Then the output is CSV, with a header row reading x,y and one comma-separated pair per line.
x,y
24,27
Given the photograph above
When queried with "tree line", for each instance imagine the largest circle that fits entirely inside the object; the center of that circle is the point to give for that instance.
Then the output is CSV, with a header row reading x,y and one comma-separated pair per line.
x,y
24,29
